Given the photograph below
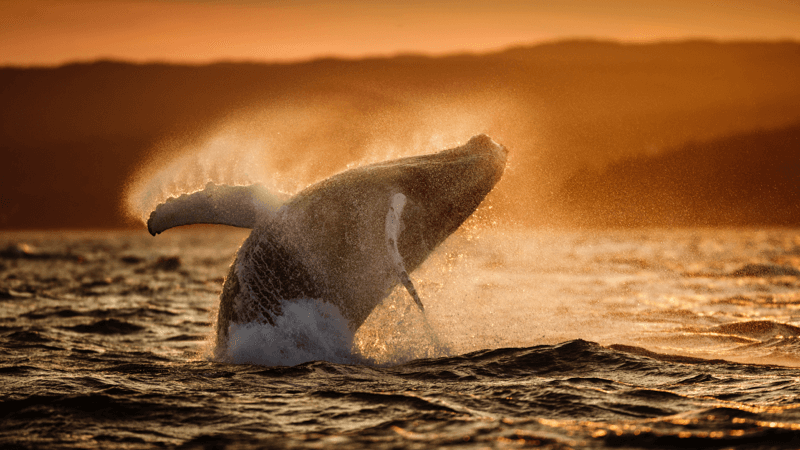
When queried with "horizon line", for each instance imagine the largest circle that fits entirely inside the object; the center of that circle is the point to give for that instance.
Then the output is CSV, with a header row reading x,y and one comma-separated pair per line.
x,y
398,54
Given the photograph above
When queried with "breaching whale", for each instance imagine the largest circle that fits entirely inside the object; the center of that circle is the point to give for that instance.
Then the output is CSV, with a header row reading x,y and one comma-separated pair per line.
x,y
348,239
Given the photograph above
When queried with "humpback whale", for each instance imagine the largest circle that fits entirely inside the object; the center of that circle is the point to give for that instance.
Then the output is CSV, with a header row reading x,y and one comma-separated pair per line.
x,y
348,239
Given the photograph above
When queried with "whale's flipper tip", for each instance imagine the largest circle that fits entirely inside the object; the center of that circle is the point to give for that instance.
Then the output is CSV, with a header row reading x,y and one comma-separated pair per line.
x,y
415,296
150,228
405,279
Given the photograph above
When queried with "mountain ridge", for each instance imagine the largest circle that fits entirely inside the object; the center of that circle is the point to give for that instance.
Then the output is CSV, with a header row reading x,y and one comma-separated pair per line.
x,y
558,107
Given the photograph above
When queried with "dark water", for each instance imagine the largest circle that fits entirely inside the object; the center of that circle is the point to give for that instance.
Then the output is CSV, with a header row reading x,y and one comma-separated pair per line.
x,y
104,342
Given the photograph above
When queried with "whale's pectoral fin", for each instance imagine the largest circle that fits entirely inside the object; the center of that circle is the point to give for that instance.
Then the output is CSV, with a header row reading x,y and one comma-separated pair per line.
x,y
238,206
394,226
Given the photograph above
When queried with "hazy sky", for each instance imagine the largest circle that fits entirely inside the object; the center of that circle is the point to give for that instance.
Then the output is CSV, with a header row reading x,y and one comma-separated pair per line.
x,y
34,32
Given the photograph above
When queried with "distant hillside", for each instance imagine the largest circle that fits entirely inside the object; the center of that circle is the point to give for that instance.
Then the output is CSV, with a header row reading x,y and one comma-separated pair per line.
x,y
72,136
748,179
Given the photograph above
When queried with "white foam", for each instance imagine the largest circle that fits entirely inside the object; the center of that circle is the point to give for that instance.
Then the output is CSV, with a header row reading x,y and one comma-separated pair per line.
x,y
308,330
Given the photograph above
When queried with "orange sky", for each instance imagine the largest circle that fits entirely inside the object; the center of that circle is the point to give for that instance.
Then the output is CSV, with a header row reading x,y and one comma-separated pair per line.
x,y
46,32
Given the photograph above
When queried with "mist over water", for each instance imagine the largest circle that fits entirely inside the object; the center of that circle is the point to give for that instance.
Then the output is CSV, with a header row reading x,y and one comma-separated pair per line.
x,y
289,145
491,285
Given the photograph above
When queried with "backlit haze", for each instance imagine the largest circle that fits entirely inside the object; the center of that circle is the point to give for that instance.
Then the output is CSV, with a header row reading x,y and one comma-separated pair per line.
x,y
40,32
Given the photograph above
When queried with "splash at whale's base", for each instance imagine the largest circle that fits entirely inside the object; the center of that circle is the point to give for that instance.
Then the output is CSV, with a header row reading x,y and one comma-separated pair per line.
x,y
308,330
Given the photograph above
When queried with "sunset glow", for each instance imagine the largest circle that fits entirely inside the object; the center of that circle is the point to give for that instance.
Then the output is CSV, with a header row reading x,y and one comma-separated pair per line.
x,y
45,32
372,224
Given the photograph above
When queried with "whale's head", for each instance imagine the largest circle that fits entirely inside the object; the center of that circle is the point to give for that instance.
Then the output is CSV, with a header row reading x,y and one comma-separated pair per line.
x,y
467,173
443,190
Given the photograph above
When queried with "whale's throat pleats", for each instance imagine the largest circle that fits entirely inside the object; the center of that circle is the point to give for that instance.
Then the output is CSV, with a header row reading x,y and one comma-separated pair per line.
x,y
394,227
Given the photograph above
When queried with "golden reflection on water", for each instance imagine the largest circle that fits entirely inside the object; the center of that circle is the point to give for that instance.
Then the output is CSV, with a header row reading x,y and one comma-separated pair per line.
x,y
727,294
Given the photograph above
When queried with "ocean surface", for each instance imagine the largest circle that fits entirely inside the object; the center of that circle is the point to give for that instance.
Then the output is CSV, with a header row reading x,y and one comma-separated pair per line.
x,y
553,339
